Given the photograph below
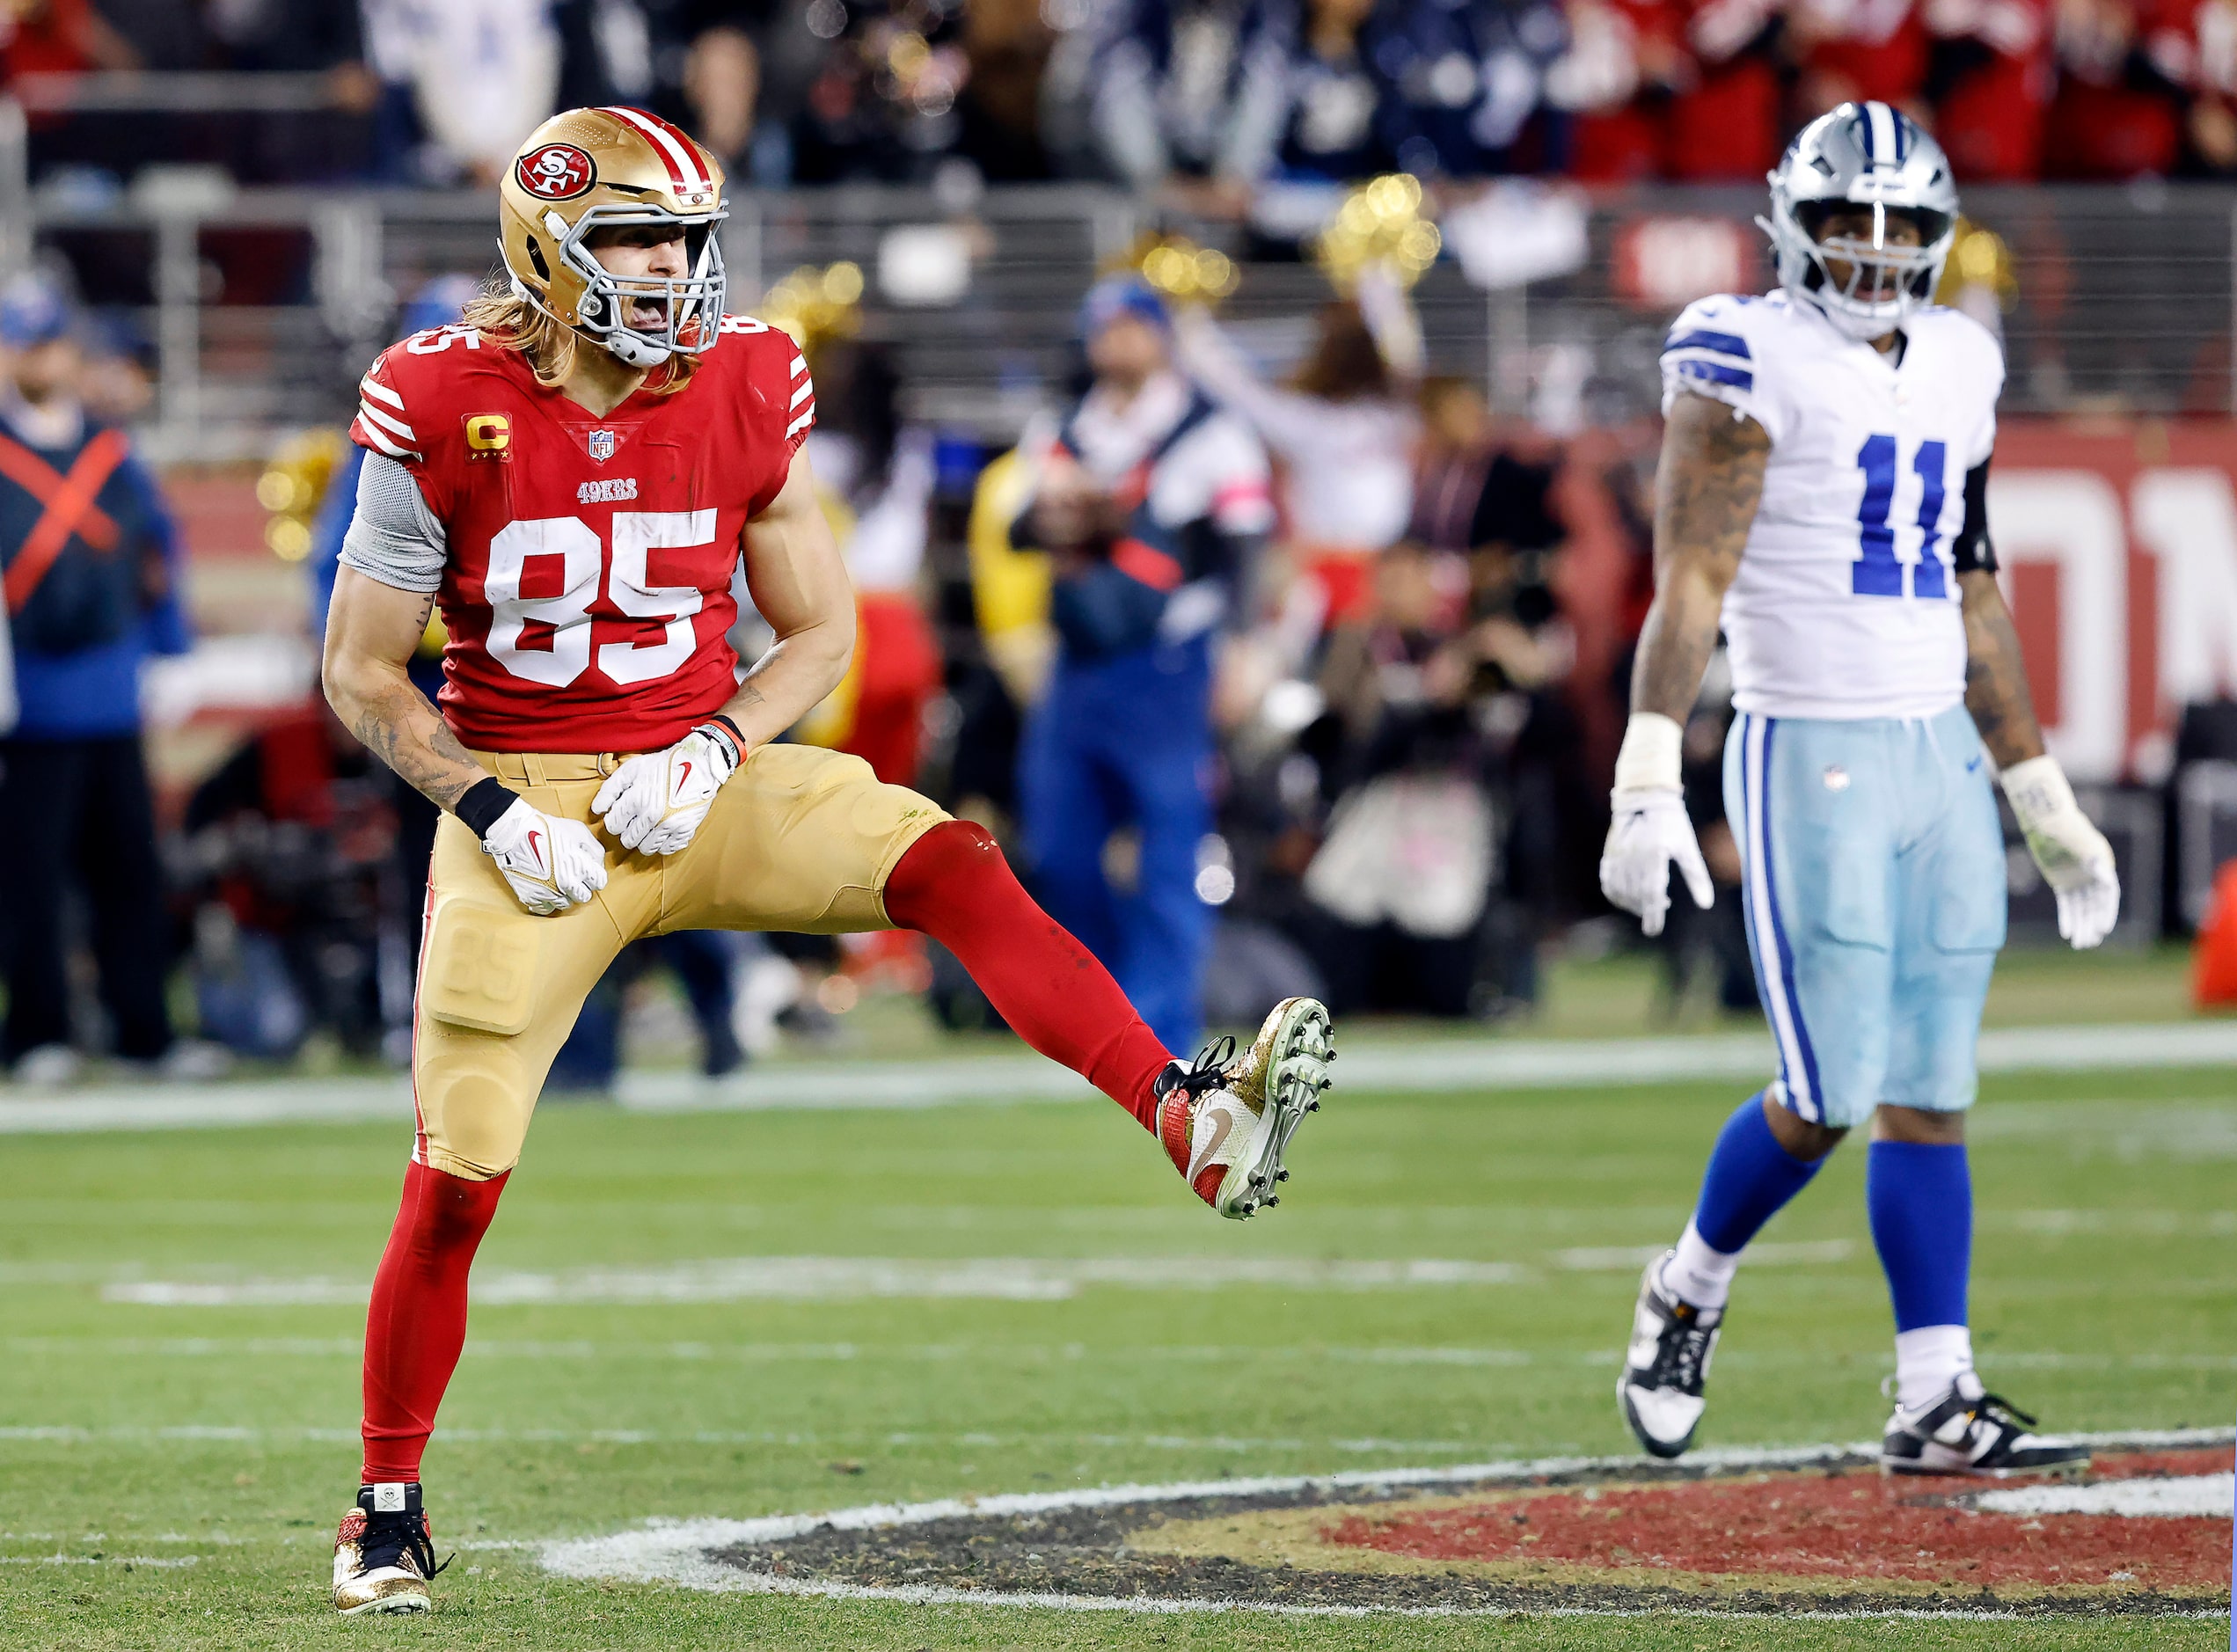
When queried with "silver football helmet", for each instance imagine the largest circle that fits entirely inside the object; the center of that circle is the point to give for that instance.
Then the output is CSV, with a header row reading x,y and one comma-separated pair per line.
x,y
1870,156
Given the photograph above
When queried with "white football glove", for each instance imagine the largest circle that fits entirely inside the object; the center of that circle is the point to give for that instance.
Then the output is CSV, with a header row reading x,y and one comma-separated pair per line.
x,y
2075,859
552,862
1651,828
656,800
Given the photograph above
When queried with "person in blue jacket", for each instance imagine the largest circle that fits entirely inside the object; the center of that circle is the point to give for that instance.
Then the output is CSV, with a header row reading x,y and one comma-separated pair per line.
x,y
91,565
1152,504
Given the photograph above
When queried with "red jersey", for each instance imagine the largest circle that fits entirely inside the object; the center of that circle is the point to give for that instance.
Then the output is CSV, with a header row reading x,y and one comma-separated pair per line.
x,y
587,587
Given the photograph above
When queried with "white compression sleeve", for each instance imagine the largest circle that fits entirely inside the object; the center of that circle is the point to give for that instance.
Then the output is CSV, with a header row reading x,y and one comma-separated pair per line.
x,y
394,538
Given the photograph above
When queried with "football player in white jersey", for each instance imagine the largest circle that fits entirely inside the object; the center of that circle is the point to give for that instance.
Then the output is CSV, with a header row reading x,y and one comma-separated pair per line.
x,y
1822,499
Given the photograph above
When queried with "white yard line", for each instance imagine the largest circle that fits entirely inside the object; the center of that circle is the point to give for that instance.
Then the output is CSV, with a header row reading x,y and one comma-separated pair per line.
x,y
1420,1067
677,1552
846,1278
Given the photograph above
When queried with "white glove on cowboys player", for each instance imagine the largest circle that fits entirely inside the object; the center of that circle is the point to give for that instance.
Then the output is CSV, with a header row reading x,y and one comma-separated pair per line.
x,y
1650,829
2075,859
552,862
654,801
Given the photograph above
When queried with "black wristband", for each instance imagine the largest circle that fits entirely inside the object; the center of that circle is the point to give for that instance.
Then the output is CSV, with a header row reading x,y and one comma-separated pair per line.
x,y
484,801
736,734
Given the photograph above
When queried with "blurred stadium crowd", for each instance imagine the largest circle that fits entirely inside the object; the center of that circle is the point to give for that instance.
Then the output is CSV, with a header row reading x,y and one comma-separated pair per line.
x,y
1210,99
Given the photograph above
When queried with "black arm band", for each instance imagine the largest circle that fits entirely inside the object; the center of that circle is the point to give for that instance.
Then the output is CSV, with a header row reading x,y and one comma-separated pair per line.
x,y
736,734
484,801
1970,552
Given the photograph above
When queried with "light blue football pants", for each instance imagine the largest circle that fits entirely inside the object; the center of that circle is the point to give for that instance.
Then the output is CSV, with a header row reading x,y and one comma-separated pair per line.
x,y
1873,883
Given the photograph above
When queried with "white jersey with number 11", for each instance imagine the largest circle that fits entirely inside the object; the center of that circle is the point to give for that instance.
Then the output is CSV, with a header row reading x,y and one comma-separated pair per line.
x,y
1845,605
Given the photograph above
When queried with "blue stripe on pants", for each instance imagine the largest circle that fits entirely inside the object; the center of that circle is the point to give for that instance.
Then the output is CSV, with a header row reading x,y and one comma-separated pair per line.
x,y
1767,927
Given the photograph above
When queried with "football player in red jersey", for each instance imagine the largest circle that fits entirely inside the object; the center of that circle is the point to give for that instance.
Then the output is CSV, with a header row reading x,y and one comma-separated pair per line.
x,y
574,473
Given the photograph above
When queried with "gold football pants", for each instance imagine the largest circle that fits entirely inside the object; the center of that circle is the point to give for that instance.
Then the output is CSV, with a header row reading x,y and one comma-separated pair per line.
x,y
798,839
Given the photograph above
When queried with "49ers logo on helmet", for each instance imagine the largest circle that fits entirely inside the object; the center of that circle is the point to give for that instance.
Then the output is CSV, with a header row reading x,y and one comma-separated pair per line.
x,y
555,171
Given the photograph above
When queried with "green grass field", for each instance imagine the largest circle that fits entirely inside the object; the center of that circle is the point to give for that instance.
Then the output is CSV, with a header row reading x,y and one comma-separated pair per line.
x,y
170,1475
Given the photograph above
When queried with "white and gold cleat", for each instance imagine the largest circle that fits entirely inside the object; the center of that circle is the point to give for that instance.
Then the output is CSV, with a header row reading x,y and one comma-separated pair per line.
x,y
1226,1122
383,1556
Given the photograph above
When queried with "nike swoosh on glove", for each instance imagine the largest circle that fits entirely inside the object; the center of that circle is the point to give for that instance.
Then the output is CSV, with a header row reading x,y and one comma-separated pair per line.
x,y
552,863
1650,831
2072,853
655,801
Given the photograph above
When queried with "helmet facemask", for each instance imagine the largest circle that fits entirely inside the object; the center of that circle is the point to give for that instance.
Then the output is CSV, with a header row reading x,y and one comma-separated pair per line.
x,y
689,305
1872,280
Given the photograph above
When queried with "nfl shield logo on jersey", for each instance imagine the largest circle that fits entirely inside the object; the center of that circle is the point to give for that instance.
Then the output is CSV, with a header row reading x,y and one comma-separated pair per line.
x,y
602,444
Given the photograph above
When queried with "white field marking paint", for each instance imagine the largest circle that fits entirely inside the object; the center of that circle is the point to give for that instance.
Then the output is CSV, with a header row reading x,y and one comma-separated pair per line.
x,y
2127,1224
754,1436
2191,1497
676,1552
1018,1354
834,1278
1631,1258
2186,1127
848,1085
166,1563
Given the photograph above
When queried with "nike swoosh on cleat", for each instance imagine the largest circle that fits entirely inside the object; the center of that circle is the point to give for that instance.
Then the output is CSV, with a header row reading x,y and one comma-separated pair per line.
x,y
1226,1120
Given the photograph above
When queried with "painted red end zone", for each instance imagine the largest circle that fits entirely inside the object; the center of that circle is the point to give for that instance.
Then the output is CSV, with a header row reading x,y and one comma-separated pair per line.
x,y
1854,1527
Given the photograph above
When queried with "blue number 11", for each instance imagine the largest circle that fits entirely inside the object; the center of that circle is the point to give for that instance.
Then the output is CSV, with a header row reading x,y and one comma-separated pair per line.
x,y
1876,572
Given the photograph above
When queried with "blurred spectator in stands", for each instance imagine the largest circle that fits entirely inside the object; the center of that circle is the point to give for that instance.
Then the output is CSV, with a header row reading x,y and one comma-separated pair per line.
x,y
1150,503
1466,81
877,479
285,36
1614,78
706,64
1399,886
59,37
118,385
1473,489
1006,45
2193,44
164,35
477,79
1849,51
92,567
1343,427
1336,121
1726,122
1189,94
286,842
1989,79
2118,113
882,106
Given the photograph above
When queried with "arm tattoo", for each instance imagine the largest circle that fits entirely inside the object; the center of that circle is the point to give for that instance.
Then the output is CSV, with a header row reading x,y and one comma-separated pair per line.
x,y
1705,491
1996,676
400,728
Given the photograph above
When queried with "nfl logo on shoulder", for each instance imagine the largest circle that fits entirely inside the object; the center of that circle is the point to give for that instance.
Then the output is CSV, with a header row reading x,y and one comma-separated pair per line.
x,y
602,444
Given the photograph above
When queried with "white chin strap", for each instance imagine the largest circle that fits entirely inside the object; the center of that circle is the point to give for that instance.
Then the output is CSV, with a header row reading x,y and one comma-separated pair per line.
x,y
632,349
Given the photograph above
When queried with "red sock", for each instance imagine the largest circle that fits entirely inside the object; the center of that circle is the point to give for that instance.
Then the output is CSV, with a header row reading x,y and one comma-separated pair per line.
x,y
418,1320
955,886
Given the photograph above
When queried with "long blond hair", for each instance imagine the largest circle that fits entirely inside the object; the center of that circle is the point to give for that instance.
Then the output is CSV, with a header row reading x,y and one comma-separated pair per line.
x,y
508,320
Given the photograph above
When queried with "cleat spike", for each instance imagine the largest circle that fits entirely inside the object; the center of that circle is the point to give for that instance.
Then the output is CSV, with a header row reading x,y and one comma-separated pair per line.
x,y
1273,1200
1281,1175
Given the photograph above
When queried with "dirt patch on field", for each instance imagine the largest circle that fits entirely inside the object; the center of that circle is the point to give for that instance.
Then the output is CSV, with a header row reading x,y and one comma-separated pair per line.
x,y
1832,1536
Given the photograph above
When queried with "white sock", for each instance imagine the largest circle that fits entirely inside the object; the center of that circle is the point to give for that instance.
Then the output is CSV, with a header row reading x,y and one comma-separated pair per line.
x,y
1928,1360
1698,1275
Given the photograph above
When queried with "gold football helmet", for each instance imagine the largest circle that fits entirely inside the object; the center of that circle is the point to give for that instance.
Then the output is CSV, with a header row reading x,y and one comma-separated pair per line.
x,y
591,169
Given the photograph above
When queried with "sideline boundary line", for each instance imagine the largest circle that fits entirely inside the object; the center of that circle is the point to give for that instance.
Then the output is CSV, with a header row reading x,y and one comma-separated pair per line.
x,y
675,1551
1387,1066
